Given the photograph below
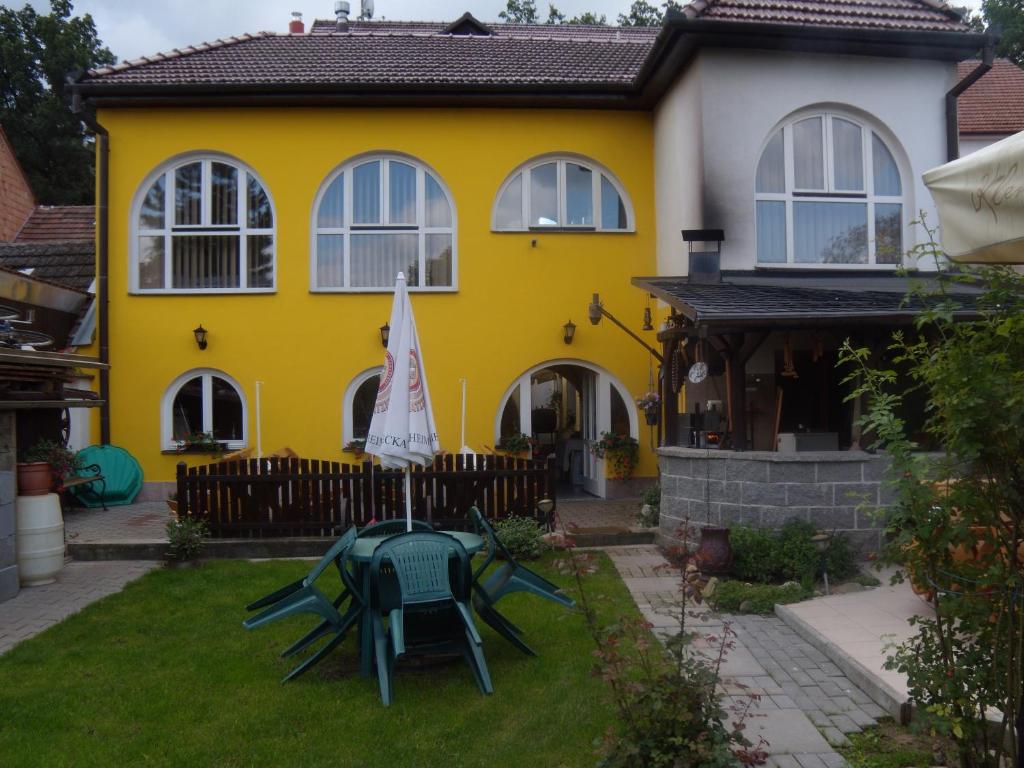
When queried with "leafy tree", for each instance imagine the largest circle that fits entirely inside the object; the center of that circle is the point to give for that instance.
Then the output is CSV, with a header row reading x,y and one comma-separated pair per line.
x,y
521,12
1007,17
590,18
37,53
554,15
643,14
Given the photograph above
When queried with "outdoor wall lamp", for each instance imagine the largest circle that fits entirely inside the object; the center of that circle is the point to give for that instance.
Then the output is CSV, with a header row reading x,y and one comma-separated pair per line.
x,y
200,334
596,310
569,331
648,321
385,334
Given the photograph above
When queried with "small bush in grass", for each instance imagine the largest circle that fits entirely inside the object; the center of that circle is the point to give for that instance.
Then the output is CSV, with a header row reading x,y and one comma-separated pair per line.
x,y
522,536
729,596
754,554
186,538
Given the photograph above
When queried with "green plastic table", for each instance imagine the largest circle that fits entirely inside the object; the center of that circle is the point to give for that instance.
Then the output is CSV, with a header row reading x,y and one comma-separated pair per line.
x,y
362,553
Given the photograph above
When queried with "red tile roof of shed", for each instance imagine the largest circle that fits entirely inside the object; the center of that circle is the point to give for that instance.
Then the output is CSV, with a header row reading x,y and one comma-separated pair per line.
x,y
58,223
995,103
923,15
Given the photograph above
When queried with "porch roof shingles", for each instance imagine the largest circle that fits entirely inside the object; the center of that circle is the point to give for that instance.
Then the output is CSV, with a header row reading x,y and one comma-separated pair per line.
x,y
920,15
71,264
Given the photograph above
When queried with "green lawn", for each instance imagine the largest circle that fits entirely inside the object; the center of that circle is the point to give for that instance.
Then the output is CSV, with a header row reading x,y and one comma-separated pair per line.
x,y
164,674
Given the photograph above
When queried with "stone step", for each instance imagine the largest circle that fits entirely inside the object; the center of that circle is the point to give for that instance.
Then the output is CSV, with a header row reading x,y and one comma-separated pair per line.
x,y
612,536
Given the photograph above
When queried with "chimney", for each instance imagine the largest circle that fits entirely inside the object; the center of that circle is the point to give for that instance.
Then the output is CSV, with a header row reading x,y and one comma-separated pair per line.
x,y
704,247
295,26
341,13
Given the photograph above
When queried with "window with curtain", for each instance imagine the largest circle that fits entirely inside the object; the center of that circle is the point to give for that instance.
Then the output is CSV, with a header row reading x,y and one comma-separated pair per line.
x,y
203,224
358,405
562,194
378,216
204,402
828,191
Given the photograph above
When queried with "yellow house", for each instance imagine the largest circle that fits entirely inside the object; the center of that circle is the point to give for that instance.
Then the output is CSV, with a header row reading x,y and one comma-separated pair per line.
x,y
274,211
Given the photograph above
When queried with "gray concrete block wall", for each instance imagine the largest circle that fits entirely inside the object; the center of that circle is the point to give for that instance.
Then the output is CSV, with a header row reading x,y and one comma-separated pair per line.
x,y
8,490
764,489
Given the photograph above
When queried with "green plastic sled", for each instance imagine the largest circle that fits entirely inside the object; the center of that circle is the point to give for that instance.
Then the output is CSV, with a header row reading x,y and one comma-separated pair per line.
x,y
121,471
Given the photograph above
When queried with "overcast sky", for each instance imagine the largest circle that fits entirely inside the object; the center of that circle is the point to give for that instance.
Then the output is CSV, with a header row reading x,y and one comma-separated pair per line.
x,y
133,28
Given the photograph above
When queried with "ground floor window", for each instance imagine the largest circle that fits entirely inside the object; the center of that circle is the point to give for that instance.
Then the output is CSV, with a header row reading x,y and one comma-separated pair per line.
x,y
357,409
204,402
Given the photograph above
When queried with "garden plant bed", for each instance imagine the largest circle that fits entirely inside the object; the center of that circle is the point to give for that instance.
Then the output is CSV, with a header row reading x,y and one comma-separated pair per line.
x,y
893,746
164,674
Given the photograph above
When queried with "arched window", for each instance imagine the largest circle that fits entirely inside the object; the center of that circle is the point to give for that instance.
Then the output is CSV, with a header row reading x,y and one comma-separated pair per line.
x,y
357,409
203,223
380,215
828,191
562,193
204,402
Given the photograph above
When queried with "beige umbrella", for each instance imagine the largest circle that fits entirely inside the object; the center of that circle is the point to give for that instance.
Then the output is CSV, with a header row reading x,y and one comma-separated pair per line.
x,y
981,204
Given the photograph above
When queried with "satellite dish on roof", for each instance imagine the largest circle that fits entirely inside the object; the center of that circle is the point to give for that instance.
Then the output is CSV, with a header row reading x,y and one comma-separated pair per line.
x,y
366,10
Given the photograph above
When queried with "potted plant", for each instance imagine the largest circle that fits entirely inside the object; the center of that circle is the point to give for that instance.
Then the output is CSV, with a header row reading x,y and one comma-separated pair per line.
x,y
201,442
186,537
651,405
516,445
44,466
622,452
356,447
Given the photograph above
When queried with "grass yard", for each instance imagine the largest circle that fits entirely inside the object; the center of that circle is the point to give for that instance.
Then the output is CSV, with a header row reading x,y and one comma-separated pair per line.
x,y
164,674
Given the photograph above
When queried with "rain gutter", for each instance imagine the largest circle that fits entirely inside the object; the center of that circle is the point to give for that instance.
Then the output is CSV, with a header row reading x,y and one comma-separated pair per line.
x,y
952,127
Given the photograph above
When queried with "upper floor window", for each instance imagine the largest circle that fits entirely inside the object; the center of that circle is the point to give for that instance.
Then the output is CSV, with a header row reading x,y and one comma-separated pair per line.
x,y
828,191
378,216
204,402
562,194
203,224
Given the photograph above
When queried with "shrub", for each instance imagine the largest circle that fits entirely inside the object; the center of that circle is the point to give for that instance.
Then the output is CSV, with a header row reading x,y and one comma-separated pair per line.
x,y
737,597
755,554
622,452
521,536
789,555
186,538
650,498
62,461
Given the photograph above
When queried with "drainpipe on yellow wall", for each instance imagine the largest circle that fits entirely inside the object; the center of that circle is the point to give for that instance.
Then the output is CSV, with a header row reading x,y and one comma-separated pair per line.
x,y
102,257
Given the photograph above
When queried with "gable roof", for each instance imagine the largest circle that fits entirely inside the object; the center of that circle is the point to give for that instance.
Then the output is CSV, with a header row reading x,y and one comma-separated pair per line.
x,y
50,223
994,104
70,264
584,64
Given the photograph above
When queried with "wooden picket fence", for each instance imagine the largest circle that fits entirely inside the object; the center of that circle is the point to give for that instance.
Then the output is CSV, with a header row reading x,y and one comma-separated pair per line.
x,y
275,497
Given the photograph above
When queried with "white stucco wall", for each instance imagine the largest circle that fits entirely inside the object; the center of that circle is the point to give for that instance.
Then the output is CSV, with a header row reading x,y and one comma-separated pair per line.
x,y
744,95
974,143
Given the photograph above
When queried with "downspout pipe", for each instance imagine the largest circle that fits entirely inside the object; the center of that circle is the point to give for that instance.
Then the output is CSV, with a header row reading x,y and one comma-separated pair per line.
x,y
102,256
952,125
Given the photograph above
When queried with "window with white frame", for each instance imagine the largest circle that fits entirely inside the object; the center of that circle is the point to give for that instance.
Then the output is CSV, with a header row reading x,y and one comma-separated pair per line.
x,y
828,191
377,216
204,403
203,223
562,194
357,409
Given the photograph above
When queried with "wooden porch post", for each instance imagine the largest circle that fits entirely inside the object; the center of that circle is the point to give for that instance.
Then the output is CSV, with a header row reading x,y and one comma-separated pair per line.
x,y
669,398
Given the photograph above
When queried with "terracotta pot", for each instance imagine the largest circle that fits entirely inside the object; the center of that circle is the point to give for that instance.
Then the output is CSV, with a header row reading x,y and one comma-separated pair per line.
x,y
34,478
172,504
715,552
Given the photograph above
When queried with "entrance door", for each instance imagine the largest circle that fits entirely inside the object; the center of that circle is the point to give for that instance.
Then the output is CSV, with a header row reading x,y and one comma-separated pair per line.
x,y
590,431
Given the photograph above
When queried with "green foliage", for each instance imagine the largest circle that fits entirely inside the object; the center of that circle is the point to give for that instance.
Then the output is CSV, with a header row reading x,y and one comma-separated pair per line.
x,y
643,14
890,746
37,53
1007,16
789,554
591,18
522,536
515,443
62,461
738,597
959,521
622,452
521,12
186,538
651,497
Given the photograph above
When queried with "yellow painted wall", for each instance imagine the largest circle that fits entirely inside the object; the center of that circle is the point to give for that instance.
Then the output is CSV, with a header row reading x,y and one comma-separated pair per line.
x,y
506,317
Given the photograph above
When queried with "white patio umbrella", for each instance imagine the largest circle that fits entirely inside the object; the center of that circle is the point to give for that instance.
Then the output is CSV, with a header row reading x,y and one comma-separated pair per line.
x,y
981,204
402,431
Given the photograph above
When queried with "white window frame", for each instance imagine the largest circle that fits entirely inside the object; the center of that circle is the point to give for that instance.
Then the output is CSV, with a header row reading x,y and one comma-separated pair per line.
x,y
597,171
168,232
830,194
419,228
167,441
347,433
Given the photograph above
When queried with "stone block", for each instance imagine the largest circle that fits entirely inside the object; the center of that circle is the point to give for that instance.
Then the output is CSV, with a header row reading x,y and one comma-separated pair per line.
x,y
853,494
8,486
7,519
740,514
673,465
808,494
887,494
8,582
840,472
776,517
8,551
791,471
870,517
724,492
748,471
832,518
875,468
764,494
687,488
675,507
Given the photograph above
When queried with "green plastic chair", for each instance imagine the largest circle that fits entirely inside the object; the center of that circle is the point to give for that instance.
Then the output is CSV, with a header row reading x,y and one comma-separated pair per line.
x,y
121,473
303,596
429,616
393,528
507,578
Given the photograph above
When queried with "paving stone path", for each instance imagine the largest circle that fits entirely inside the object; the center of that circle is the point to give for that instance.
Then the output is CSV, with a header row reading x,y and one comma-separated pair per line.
x,y
807,705
37,608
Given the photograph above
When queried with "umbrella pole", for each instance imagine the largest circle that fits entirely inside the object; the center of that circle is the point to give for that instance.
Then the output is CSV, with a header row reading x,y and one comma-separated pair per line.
x,y
408,498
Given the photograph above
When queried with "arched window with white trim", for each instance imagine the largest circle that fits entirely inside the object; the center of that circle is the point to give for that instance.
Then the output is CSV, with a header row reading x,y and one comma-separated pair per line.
x,y
203,223
204,403
357,407
379,215
829,191
562,193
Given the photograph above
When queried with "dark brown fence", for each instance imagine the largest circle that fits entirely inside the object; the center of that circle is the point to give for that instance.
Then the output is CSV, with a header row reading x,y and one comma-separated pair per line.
x,y
259,498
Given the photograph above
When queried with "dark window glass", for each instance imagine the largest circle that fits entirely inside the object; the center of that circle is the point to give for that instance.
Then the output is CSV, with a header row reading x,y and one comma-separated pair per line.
x,y
187,415
362,407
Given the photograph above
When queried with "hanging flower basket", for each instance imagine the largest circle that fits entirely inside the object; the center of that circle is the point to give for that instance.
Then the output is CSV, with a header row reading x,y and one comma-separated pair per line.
x,y
651,404
652,415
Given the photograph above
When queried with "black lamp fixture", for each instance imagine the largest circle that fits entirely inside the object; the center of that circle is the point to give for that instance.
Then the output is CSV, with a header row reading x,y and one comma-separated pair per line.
x,y
648,320
385,334
569,330
200,334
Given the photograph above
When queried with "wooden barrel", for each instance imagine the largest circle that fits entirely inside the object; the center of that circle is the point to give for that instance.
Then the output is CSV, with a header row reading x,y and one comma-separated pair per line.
x,y
39,538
